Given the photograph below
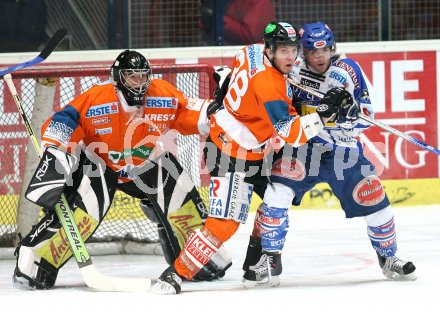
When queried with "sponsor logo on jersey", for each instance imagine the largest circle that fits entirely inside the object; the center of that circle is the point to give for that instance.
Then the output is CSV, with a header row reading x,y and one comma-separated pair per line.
x,y
310,83
59,131
114,156
369,191
104,131
338,77
290,168
100,121
308,73
161,102
161,117
255,59
142,152
351,72
102,110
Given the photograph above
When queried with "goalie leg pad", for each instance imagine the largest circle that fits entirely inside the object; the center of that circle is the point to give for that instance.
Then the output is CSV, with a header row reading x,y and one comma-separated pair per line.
x,y
381,231
230,197
45,249
50,178
32,271
168,241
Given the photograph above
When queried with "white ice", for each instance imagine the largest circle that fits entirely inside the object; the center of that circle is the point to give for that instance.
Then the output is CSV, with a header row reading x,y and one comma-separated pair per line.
x,y
328,265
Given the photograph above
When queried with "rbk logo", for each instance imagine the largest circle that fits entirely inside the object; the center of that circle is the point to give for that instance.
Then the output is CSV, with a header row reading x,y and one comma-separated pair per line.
x,y
43,169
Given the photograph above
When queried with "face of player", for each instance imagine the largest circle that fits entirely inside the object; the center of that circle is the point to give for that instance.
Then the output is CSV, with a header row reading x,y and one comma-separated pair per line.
x,y
137,81
318,59
283,58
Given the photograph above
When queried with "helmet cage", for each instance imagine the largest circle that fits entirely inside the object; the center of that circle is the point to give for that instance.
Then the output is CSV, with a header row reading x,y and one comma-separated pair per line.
x,y
131,72
130,79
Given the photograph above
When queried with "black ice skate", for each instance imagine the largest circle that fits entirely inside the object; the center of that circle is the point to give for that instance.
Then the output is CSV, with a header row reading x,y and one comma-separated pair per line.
x,y
168,283
395,269
266,272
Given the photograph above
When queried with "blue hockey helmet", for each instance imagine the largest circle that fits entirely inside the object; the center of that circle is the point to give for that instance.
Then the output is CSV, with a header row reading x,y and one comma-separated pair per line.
x,y
317,35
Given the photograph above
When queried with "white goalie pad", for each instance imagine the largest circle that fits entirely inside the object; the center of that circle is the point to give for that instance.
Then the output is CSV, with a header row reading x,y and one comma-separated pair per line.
x,y
49,180
230,197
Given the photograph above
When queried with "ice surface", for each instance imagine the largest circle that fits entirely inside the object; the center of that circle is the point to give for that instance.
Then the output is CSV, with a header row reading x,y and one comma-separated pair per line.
x,y
328,262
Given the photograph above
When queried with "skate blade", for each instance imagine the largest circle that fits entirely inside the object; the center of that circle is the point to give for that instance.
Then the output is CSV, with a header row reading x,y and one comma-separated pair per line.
x,y
397,277
265,282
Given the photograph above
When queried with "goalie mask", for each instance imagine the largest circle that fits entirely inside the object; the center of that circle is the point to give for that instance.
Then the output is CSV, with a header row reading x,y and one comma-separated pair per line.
x,y
131,72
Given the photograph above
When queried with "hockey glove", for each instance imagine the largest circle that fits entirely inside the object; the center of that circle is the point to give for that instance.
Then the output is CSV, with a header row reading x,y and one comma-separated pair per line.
x,y
334,101
348,116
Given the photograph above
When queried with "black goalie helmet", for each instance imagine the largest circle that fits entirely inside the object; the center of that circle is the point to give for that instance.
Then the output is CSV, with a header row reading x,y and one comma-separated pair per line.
x,y
131,72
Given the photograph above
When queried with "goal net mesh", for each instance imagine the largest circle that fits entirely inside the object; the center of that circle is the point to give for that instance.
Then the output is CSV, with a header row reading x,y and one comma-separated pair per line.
x,y
125,220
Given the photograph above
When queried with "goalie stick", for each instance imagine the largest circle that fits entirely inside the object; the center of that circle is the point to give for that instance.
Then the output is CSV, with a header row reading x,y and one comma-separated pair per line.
x,y
373,121
91,276
48,49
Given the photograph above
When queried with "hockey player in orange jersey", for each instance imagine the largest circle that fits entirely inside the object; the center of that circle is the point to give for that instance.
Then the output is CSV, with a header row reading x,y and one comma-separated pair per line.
x,y
101,141
257,108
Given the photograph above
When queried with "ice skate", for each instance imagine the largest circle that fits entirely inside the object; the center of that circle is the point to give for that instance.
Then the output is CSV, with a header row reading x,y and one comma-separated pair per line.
x,y
395,269
266,272
168,283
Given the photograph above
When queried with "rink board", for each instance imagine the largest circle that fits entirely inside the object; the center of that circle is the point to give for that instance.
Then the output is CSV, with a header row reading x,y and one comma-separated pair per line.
x,y
402,193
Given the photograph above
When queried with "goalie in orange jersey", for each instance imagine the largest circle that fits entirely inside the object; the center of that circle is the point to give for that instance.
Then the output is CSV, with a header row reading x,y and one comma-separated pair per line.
x,y
101,141
256,107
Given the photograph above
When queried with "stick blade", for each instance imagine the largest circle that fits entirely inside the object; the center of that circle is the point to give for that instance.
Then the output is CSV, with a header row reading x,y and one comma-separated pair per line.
x,y
53,43
99,281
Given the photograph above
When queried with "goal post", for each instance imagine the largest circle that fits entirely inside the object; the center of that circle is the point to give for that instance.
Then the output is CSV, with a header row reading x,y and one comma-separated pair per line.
x,y
49,88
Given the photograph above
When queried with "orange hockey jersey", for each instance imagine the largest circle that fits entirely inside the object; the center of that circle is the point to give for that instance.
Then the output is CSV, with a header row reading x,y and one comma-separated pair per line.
x,y
257,108
98,121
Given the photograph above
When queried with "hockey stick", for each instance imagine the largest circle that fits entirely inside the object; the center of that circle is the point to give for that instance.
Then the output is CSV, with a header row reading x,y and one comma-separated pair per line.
x,y
91,276
48,49
374,122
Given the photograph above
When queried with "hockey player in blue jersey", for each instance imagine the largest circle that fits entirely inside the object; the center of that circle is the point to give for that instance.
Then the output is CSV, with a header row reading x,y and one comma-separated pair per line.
x,y
334,156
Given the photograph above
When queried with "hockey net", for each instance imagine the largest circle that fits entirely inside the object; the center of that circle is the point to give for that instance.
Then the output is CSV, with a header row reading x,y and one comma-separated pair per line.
x,y
125,221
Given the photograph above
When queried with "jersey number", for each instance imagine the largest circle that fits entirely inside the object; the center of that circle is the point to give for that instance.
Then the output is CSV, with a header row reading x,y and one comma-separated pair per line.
x,y
238,85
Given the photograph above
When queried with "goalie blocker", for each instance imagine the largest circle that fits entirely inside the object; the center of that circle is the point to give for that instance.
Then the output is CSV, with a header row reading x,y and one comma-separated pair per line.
x,y
172,201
